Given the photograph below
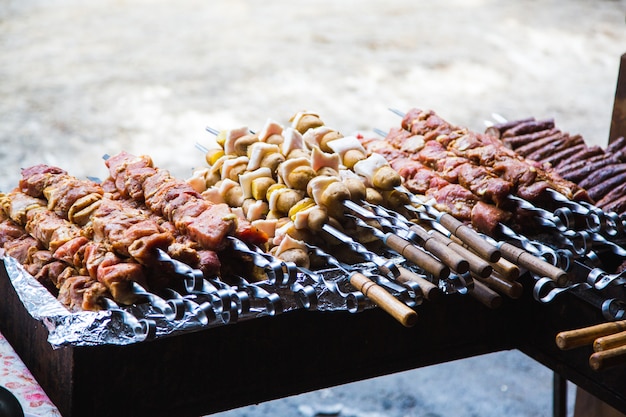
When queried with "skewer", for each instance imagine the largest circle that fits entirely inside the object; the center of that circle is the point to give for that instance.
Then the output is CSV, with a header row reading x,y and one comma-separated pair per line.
x,y
485,295
476,264
386,266
201,310
595,219
415,234
397,309
532,263
355,300
610,341
607,358
467,235
571,339
141,328
497,283
430,291
405,248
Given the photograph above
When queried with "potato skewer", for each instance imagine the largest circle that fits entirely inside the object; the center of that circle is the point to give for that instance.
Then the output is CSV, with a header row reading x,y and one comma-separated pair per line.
x,y
330,188
339,194
384,177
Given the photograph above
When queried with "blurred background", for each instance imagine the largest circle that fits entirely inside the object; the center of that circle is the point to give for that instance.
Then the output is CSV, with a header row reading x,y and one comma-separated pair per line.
x,y
79,80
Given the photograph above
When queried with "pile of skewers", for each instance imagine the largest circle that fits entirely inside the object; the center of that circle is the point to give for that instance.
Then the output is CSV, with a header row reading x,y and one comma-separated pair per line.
x,y
450,179
423,210
281,175
141,236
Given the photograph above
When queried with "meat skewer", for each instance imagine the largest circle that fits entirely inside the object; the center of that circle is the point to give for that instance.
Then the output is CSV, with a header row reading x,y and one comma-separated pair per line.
x,y
473,146
587,166
486,150
99,265
130,232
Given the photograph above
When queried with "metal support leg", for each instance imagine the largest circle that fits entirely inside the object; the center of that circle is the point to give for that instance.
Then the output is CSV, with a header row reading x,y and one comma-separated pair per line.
x,y
559,396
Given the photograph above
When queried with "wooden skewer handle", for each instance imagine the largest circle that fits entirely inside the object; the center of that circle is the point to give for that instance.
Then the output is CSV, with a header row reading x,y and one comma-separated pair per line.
x,y
510,289
416,255
485,295
468,236
609,342
453,259
396,308
430,291
532,263
571,339
607,358
504,267
507,269
477,265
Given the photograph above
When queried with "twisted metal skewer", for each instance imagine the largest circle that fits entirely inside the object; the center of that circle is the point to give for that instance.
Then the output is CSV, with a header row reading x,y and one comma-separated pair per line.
x,y
372,286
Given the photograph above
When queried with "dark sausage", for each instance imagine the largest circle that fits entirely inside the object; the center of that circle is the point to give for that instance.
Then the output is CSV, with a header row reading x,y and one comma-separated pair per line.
x,y
515,142
529,127
601,175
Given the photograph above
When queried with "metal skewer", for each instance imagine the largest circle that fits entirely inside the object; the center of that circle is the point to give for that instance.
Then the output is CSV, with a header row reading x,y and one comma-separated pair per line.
x,y
419,235
224,299
408,250
385,266
485,249
397,309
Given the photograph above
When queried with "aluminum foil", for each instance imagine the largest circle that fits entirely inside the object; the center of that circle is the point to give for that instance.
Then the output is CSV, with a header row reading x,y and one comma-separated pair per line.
x,y
326,290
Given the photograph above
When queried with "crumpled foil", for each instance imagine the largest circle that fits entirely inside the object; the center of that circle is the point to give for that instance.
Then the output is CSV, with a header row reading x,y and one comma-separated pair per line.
x,y
147,321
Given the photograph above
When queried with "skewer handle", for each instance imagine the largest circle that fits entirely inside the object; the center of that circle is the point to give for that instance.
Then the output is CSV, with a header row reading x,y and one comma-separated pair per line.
x,y
430,291
485,295
506,269
609,342
416,255
512,290
477,265
570,339
472,239
453,259
396,308
532,263
607,358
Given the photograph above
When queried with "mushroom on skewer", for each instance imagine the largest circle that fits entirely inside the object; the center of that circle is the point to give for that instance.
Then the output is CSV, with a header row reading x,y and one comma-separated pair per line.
x,y
319,173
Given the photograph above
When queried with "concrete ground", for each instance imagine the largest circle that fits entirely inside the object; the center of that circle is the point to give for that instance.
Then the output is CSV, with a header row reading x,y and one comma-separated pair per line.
x,y
82,79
